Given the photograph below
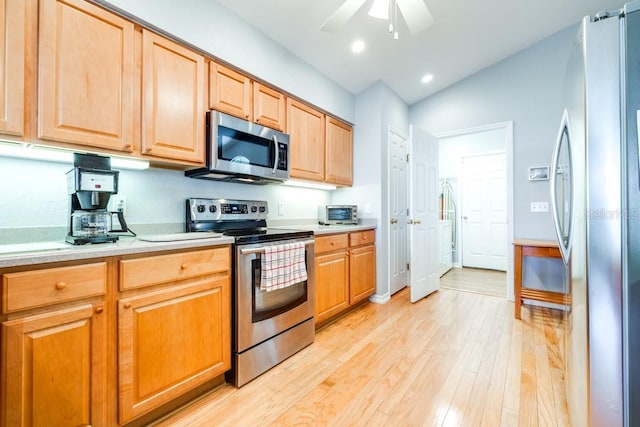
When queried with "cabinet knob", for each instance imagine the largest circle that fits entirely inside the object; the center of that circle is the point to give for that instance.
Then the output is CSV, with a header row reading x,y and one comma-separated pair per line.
x,y
60,286
148,150
184,266
99,310
127,305
127,147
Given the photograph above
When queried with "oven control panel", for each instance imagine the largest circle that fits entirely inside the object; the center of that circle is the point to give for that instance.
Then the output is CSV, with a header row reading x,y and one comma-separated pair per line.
x,y
226,209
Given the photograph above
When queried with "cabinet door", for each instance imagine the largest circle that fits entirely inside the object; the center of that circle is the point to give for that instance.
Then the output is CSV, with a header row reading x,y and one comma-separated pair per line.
x,y
16,32
86,75
268,107
171,341
229,91
53,369
339,153
362,275
173,106
332,284
306,128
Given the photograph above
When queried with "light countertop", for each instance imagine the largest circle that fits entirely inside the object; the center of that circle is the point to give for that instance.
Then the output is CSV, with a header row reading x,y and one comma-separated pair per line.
x,y
58,251
15,255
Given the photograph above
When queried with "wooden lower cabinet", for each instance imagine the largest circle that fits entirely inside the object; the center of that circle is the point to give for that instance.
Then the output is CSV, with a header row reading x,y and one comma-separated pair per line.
x,y
345,268
362,273
53,368
332,284
170,341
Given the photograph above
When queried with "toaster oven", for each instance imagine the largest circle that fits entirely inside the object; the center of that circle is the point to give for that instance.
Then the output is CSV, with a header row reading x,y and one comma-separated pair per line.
x,y
337,214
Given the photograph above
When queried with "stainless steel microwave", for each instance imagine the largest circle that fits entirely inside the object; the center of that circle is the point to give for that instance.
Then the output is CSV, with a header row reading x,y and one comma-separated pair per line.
x,y
242,151
337,214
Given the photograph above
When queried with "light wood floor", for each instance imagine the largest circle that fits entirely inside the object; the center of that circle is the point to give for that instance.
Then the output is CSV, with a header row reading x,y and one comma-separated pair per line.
x,y
486,282
452,359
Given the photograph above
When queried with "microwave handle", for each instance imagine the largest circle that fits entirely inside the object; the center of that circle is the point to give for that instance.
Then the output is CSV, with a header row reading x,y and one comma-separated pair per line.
x,y
277,159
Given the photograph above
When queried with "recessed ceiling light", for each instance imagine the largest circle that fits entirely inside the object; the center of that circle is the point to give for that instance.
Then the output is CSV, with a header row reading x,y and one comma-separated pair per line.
x,y
357,46
427,78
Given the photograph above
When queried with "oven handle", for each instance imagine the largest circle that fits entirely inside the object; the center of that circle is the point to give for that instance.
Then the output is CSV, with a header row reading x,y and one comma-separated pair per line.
x,y
261,250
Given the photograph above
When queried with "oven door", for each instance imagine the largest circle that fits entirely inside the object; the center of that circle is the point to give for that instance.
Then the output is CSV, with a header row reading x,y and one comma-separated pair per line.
x,y
260,315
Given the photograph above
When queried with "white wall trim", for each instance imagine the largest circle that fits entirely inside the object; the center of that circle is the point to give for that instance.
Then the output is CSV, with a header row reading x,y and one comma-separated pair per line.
x,y
380,299
508,142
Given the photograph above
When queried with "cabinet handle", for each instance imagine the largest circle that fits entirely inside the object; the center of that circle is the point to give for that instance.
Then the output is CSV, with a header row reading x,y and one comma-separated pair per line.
x,y
99,310
60,286
184,266
127,305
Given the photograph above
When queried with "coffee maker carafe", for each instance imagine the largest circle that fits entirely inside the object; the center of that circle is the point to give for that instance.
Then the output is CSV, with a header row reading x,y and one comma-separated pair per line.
x,y
90,184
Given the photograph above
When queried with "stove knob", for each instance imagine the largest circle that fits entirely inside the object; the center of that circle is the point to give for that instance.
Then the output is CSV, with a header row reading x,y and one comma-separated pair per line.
x,y
254,209
200,208
213,209
262,209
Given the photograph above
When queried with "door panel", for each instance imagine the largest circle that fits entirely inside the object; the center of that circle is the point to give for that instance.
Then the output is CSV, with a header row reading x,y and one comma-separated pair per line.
x,y
423,231
484,212
398,205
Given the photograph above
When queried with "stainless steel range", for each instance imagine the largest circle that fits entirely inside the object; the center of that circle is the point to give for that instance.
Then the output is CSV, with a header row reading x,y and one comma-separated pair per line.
x,y
268,325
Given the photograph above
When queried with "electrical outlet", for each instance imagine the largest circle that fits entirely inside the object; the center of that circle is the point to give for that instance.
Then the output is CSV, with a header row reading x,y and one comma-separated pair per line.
x,y
539,206
280,208
367,208
117,203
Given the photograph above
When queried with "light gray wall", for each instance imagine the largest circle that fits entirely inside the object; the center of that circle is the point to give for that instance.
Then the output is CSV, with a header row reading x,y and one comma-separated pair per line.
x,y
525,88
213,28
377,108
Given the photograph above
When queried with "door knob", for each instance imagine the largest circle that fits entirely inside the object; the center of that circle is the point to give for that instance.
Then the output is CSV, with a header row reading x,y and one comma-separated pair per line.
x,y
417,221
393,221
409,221
465,218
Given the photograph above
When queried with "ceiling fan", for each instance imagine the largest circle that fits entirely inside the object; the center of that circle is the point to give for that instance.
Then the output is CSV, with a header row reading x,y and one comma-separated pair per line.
x,y
415,13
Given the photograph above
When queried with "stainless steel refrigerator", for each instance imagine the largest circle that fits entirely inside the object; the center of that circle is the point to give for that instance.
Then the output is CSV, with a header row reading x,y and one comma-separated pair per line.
x,y
595,191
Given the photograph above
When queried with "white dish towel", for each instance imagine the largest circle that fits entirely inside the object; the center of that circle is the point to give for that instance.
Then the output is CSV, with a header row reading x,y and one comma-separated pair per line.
x,y
282,266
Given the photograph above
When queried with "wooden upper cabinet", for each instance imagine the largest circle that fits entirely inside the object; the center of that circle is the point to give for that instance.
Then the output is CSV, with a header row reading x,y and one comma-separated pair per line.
x,y
306,128
339,153
229,91
86,75
268,107
16,31
173,100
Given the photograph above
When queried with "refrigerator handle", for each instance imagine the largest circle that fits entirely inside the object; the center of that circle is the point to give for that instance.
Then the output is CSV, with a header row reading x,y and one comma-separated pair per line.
x,y
564,243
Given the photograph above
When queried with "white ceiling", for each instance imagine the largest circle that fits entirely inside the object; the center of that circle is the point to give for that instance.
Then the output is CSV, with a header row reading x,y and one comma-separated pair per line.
x,y
467,36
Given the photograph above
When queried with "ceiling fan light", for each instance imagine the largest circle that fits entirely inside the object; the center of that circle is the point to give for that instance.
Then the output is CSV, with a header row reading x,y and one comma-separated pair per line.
x,y
380,9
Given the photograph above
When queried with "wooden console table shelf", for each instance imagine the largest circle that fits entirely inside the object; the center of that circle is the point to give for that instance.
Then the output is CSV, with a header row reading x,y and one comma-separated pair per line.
x,y
534,248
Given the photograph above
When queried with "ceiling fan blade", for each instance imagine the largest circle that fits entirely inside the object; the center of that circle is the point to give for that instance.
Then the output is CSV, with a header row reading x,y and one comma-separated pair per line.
x,y
341,15
415,14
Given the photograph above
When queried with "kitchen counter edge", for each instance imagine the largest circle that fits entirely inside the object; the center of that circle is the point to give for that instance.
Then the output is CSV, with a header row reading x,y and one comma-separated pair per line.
x,y
124,246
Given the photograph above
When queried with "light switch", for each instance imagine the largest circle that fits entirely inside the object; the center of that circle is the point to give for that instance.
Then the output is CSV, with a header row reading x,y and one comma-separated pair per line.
x,y
539,206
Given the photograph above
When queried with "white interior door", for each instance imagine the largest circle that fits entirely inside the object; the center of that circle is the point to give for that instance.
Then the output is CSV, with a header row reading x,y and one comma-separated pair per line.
x,y
398,206
423,230
484,211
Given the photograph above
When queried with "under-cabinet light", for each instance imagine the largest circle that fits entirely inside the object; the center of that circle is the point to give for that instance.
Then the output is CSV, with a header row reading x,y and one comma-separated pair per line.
x,y
307,184
33,152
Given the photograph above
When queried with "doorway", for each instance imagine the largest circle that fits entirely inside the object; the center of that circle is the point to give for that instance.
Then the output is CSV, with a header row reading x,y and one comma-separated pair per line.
x,y
487,141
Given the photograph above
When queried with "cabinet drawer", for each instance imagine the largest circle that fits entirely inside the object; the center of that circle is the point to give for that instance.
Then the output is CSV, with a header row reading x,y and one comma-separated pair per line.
x,y
141,272
331,243
36,288
362,238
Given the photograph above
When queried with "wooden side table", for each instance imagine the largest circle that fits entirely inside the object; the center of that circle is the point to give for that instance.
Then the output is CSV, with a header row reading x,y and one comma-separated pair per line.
x,y
534,248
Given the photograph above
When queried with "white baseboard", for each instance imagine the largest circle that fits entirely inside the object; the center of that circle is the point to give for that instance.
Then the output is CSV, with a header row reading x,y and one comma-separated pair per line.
x,y
380,299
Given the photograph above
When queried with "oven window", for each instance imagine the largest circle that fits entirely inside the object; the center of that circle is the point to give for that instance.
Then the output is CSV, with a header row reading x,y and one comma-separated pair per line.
x,y
270,304
339,214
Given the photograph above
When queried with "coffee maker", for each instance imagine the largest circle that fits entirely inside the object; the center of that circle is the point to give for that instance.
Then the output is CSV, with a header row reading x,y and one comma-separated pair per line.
x,y
90,184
